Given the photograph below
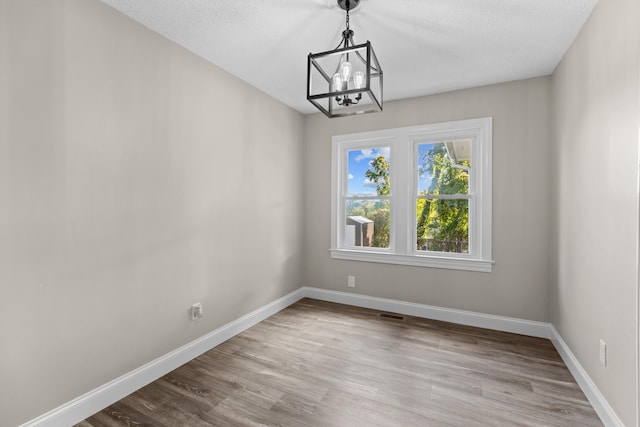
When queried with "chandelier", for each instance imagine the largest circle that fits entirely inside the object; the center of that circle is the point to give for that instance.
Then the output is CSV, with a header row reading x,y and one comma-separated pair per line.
x,y
348,79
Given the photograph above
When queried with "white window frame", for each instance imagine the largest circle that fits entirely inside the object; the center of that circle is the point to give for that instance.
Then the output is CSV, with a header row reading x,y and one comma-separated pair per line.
x,y
403,172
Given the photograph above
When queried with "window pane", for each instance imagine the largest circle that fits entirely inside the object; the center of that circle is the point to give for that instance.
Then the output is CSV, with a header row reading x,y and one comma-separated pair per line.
x,y
367,223
442,225
443,167
368,172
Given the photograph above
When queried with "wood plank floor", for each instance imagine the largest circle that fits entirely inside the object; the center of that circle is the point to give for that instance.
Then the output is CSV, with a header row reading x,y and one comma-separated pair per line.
x,y
324,364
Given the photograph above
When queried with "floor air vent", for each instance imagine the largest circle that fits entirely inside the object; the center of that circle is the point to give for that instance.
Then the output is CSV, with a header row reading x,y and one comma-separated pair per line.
x,y
391,316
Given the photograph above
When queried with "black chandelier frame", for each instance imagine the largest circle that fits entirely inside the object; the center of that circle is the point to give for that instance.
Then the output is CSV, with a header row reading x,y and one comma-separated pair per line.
x,y
321,91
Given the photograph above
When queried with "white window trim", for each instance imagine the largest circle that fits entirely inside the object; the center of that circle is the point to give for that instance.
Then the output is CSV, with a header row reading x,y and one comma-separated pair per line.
x,y
403,142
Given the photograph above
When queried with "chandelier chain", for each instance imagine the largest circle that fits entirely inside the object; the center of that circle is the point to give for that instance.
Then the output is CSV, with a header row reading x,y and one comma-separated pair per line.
x,y
347,15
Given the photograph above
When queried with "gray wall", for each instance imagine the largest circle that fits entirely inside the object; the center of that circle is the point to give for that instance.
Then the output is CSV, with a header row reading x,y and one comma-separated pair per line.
x,y
596,121
135,180
134,176
522,218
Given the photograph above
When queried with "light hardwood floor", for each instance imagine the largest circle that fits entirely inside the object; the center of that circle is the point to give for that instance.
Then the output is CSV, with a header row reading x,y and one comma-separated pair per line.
x,y
322,364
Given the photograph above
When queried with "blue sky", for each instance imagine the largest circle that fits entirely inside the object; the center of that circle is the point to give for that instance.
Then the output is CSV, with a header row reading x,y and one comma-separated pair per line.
x,y
424,181
359,161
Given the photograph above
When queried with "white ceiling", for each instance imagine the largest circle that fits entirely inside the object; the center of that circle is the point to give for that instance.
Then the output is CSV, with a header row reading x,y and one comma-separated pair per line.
x,y
424,46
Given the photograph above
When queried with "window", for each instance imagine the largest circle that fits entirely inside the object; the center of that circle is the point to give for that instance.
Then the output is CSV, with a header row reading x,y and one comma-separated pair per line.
x,y
417,196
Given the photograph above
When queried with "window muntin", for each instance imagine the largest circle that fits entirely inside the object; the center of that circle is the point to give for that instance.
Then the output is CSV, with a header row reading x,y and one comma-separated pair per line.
x,y
455,231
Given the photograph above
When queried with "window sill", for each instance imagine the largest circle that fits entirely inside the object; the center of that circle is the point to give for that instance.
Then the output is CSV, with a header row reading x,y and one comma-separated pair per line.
x,y
450,263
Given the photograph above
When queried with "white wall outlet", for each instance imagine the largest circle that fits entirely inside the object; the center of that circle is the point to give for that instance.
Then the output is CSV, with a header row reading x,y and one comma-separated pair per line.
x,y
603,353
351,281
196,311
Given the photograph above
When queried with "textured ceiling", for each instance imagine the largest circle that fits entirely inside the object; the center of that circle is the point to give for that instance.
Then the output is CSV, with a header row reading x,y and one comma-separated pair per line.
x,y
424,46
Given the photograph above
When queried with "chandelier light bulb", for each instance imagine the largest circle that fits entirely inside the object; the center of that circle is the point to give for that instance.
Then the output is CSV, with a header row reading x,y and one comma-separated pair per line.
x,y
345,71
358,79
338,84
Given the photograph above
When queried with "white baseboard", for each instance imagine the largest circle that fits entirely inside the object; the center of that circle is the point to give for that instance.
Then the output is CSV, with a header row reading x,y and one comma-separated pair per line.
x,y
488,321
103,396
88,404
597,400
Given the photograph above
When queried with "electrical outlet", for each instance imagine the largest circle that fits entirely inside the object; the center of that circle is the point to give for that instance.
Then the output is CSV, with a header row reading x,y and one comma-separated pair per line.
x,y
196,311
351,281
603,353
